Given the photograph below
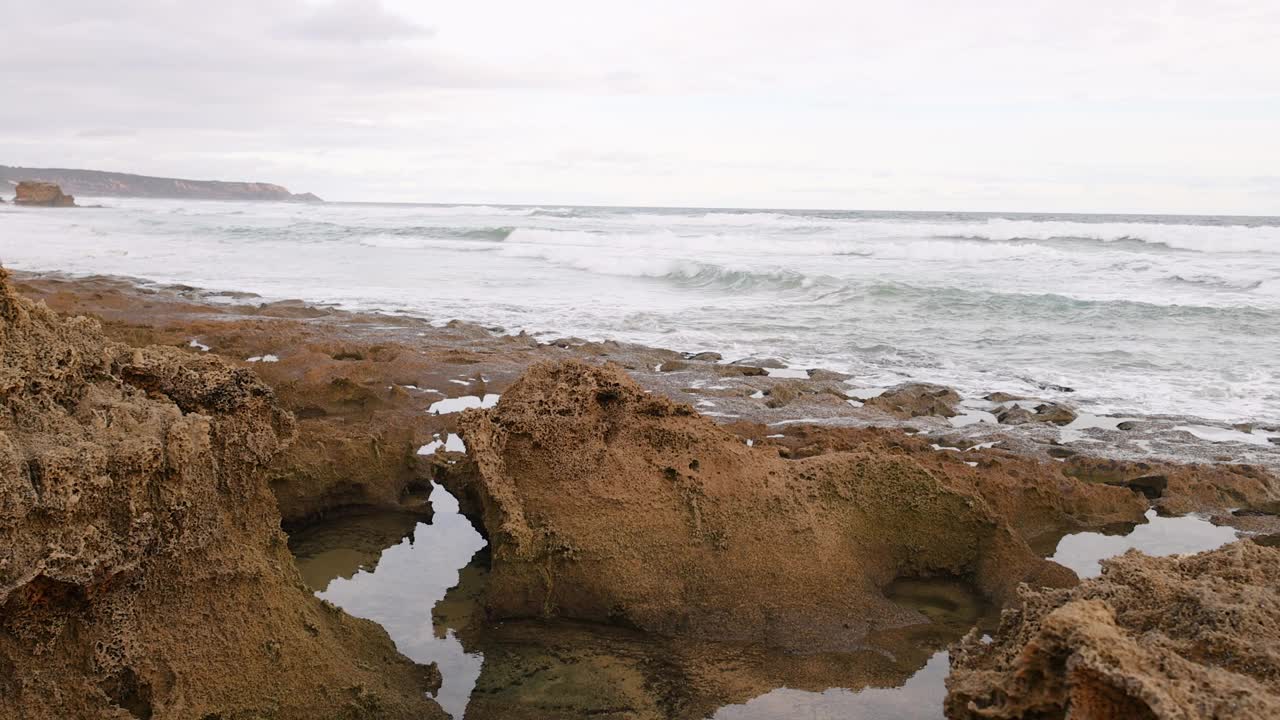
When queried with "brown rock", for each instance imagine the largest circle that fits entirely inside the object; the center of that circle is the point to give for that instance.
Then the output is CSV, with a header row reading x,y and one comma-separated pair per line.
x,y
917,399
1180,489
1188,638
142,569
1055,413
30,192
607,504
734,369
1014,415
1039,500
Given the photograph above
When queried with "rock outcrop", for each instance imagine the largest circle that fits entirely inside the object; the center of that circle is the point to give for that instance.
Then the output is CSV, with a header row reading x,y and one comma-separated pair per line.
x,y
1055,413
44,194
143,573
1189,638
607,504
916,399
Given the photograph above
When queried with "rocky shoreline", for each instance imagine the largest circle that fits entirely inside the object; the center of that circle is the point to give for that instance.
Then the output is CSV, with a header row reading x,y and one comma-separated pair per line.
x,y
662,491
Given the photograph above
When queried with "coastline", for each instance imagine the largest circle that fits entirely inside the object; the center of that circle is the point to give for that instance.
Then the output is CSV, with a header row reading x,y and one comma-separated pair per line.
x,y
380,402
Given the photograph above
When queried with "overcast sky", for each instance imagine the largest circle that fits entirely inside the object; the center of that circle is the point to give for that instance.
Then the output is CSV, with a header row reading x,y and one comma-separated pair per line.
x,y
1078,105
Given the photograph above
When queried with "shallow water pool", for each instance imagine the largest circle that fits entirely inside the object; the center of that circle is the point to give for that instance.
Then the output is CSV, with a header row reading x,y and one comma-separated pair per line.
x,y
421,581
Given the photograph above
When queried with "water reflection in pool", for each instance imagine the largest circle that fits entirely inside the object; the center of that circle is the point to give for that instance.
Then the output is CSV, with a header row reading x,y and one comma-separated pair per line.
x,y
421,581
1158,536
399,588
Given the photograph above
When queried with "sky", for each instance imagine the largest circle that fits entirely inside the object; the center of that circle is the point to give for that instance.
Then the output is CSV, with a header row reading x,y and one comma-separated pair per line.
x,y
1076,105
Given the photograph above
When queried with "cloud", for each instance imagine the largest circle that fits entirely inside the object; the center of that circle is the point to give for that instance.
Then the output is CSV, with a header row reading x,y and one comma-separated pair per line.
x,y
1021,105
356,22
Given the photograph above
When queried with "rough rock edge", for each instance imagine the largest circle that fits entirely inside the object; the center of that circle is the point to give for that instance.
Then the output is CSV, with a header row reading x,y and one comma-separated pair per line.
x,y
606,504
142,570
1170,638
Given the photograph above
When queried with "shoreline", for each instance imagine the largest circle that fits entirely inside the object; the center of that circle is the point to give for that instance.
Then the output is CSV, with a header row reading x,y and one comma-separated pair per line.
x,y
716,387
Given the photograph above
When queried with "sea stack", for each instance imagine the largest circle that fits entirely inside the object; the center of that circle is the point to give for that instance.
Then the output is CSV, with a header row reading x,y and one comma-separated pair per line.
x,y
45,194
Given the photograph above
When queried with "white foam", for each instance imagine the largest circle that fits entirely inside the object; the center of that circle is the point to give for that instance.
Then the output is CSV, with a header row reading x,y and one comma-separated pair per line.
x,y
197,344
263,358
794,373
1177,310
1227,435
1074,430
451,443
971,416
466,402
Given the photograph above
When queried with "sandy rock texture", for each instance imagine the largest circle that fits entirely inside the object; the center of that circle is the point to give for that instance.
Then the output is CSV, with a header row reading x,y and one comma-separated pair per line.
x,y
1186,638
143,573
29,192
1177,489
1041,500
605,503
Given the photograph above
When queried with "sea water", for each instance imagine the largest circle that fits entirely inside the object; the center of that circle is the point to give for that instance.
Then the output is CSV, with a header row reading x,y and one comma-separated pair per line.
x,y
1136,314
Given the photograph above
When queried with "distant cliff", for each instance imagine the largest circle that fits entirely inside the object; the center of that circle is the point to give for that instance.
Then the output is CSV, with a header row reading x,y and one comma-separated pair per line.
x,y
111,184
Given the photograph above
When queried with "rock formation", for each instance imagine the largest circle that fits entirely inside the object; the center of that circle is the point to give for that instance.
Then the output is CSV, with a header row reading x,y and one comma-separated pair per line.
x,y
916,399
1159,638
604,503
1055,413
29,192
143,573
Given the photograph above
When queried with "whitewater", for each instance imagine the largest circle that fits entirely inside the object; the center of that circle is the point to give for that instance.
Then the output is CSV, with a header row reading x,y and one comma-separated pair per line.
x,y
1154,315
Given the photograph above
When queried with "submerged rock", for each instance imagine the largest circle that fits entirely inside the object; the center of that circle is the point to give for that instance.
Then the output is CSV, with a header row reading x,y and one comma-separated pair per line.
x,y
1178,637
604,503
29,192
917,399
142,568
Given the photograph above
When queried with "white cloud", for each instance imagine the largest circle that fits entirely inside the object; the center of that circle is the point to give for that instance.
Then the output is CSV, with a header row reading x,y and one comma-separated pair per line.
x,y
1144,106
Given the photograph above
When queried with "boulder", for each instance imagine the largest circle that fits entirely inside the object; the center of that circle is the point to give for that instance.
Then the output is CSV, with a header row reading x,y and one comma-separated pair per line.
x,y
916,399
1014,415
30,192
606,504
1055,413
1190,638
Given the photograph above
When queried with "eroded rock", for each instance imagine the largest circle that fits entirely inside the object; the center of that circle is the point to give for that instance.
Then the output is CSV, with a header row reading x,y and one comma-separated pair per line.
x,y
1055,413
917,399
604,503
30,192
142,569
1187,638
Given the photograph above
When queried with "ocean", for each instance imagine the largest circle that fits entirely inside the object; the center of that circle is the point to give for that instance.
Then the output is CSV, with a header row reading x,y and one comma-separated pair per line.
x,y
1132,314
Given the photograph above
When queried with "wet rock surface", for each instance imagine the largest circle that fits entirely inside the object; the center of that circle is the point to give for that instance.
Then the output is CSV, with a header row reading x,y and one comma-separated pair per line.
x,y
1191,637
142,569
604,503
1055,413
915,399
